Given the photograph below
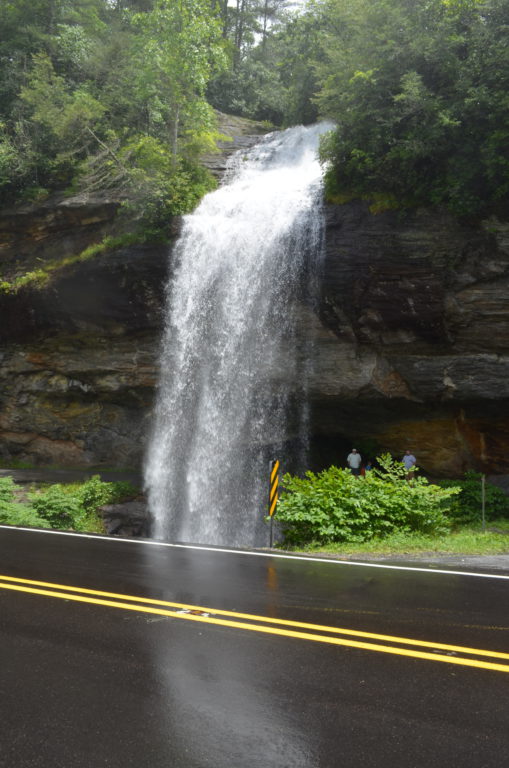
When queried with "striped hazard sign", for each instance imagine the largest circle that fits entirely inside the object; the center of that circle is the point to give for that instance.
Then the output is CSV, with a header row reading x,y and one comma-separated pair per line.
x,y
274,485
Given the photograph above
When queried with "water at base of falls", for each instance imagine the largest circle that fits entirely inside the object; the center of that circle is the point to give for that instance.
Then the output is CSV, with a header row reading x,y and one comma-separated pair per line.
x,y
232,382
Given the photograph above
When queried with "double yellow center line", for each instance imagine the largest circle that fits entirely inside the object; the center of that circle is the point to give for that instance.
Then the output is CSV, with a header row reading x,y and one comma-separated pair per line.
x,y
318,633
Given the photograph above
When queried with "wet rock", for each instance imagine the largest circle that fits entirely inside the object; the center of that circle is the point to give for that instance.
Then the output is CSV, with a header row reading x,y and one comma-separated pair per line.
x,y
79,356
240,134
128,519
114,293
33,234
407,345
418,303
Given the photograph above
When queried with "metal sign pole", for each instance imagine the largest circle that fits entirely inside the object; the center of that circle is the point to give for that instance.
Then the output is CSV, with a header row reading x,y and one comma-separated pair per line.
x,y
273,495
483,502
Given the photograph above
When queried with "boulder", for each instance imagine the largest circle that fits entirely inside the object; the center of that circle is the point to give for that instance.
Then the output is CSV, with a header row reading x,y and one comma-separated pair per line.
x,y
128,519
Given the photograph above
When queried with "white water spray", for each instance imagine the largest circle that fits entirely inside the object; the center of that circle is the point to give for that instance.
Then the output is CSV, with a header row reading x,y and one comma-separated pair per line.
x,y
231,377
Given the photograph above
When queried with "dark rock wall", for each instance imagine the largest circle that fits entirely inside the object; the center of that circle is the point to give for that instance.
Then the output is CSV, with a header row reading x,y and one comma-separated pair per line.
x,y
33,234
418,305
78,361
78,358
410,339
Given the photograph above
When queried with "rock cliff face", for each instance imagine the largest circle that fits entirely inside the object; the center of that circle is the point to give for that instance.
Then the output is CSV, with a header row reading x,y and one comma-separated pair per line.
x,y
414,349
78,359
411,340
33,234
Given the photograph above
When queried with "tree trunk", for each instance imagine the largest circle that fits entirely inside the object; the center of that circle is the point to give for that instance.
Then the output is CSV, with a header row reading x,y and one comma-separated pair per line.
x,y
239,30
225,19
265,23
174,137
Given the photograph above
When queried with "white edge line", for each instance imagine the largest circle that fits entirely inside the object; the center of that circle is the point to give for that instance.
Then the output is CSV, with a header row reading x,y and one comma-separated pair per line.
x,y
203,548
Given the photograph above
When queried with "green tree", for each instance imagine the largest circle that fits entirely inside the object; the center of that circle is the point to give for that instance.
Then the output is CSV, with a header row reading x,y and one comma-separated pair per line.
x,y
94,90
69,117
252,90
273,75
297,44
467,507
419,95
179,47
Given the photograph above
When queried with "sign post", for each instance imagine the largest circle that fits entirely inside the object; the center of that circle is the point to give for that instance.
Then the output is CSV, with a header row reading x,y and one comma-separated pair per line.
x,y
273,495
483,502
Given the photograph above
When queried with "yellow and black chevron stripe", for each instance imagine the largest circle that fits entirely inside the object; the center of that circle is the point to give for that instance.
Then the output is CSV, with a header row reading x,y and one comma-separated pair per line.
x,y
274,485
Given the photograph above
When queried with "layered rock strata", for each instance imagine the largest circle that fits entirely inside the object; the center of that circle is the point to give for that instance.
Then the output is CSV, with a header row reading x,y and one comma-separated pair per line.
x,y
414,349
410,339
78,361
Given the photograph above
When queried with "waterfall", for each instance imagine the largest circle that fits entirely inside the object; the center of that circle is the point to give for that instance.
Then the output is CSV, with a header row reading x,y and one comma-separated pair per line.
x,y
232,380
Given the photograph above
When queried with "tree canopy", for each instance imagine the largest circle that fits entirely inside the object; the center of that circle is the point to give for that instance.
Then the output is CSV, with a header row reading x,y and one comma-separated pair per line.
x,y
108,95
119,95
419,92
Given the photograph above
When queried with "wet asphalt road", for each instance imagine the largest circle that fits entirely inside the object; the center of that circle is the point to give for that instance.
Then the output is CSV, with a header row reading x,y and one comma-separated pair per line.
x,y
84,685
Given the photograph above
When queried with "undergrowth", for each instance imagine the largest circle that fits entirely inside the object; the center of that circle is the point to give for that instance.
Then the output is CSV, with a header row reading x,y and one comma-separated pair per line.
x,y
464,540
72,506
336,506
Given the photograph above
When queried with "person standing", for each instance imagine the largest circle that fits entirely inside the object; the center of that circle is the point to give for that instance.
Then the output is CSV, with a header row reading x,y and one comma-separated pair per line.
x,y
354,461
409,461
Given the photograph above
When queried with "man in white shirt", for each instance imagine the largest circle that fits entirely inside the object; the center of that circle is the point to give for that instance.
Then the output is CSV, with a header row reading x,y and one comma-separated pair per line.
x,y
354,461
409,461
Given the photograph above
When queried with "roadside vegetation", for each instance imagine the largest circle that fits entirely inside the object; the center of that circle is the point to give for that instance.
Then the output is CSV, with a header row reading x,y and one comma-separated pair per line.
x,y
73,507
385,513
460,540
331,512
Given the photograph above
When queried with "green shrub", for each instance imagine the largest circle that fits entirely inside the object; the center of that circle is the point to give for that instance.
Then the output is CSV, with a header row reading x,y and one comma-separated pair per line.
x,y
171,191
121,491
20,514
336,506
467,506
93,494
7,486
76,506
57,505
12,513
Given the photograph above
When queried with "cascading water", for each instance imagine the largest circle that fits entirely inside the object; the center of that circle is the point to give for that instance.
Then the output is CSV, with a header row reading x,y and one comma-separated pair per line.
x,y
230,368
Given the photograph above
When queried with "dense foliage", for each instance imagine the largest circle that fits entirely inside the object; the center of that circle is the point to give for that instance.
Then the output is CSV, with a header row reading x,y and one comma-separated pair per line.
x,y
59,506
118,95
108,95
274,78
419,91
14,513
336,506
467,505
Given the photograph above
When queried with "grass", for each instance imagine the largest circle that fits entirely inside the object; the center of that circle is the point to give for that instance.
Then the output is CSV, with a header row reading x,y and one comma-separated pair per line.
x,y
15,464
39,278
465,540
95,469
